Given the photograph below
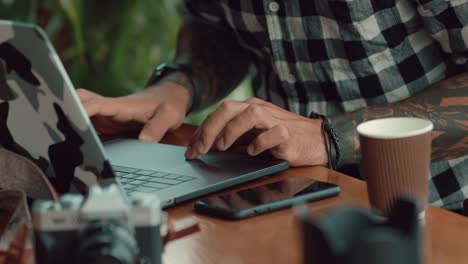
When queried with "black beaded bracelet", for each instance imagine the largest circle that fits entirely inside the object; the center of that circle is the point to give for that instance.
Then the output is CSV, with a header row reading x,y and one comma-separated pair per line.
x,y
332,146
336,150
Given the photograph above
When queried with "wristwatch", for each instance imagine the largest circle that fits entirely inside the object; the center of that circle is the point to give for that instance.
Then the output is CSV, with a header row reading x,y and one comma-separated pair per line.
x,y
164,69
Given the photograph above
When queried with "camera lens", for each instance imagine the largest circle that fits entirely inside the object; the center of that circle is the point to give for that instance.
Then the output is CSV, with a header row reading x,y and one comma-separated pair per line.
x,y
106,241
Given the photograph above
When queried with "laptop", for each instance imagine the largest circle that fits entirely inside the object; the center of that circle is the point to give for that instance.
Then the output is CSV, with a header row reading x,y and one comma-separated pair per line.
x,y
41,118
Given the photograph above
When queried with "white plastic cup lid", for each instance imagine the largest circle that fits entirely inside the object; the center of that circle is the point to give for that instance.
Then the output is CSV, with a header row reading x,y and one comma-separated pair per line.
x,y
394,127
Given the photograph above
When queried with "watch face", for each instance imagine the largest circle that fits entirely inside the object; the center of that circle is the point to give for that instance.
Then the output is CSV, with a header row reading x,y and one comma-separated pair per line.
x,y
162,70
161,67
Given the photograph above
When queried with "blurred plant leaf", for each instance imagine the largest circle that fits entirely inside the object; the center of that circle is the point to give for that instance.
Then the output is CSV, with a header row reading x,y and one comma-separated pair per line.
x,y
108,46
72,9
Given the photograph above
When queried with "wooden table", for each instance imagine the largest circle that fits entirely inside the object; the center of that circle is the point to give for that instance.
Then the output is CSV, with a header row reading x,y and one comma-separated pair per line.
x,y
275,237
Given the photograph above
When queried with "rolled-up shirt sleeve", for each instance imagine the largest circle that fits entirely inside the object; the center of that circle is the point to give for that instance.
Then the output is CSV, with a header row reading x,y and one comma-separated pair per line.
x,y
447,22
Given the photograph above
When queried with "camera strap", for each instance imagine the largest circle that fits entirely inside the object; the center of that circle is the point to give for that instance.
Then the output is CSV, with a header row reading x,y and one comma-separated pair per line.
x,y
180,228
15,221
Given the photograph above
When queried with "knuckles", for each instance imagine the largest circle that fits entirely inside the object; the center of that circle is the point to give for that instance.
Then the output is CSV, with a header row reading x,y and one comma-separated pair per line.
x,y
254,100
254,111
226,106
283,133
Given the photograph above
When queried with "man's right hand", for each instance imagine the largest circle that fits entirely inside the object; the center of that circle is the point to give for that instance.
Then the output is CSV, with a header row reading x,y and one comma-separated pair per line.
x,y
158,109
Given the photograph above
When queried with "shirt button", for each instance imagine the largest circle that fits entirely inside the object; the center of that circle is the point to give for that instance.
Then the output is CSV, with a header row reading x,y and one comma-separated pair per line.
x,y
290,78
274,6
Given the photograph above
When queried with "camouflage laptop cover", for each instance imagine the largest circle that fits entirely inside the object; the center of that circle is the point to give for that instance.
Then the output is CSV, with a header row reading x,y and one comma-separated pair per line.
x,y
40,114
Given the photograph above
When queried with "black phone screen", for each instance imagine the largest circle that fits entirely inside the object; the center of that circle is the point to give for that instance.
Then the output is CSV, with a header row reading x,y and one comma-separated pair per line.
x,y
269,193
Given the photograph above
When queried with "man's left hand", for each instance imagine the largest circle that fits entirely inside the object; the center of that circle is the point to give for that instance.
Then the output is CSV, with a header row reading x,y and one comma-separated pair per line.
x,y
286,135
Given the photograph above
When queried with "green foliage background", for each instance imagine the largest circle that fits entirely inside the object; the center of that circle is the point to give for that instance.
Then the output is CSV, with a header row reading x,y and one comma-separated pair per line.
x,y
108,46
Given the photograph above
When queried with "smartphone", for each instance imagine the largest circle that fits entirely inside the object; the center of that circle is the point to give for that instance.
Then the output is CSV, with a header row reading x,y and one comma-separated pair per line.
x,y
265,198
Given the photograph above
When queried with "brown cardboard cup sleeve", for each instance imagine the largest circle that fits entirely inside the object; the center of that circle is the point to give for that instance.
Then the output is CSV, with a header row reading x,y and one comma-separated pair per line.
x,y
396,160
396,167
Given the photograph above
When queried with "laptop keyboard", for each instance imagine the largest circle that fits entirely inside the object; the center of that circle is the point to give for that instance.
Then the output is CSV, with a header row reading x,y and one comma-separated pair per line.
x,y
136,180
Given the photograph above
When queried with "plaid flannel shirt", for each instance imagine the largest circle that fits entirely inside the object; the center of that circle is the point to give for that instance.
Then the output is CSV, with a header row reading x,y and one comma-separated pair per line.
x,y
335,56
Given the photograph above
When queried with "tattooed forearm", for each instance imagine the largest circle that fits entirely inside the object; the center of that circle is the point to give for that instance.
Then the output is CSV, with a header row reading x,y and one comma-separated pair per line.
x,y
214,55
445,104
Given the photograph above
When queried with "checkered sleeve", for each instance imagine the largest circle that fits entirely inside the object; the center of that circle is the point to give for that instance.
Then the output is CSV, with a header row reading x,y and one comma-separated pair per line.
x,y
448,185
447,22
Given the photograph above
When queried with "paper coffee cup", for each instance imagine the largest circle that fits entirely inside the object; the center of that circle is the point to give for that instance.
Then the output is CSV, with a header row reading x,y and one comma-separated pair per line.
x,y
396,154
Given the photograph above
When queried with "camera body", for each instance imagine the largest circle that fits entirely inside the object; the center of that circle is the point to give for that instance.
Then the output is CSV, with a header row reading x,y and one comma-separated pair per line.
x,y
104,225
357,236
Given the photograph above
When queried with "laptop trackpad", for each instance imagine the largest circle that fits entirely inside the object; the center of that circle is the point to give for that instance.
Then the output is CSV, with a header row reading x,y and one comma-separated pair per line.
x,y
171,159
